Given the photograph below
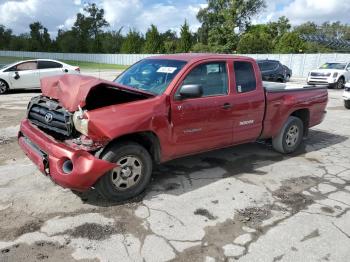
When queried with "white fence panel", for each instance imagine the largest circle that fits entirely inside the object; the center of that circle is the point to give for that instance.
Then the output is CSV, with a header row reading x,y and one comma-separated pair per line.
x,y
301,64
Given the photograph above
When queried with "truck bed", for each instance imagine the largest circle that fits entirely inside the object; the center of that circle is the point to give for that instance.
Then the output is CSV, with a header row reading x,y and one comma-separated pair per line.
x,y
272,87
282,100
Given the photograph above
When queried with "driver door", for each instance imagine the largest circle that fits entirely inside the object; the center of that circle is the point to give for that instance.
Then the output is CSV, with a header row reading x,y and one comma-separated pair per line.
x,y
205,122
25,75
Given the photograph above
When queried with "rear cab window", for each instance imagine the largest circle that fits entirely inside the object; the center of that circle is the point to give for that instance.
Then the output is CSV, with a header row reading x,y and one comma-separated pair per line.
x,y
244,76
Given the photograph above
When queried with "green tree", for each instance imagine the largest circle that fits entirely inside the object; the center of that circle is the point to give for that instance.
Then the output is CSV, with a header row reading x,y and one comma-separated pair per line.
x,y
153,41
111,42
279,27
68,41
255,41
200,48
39,37
87,28
133,42
308,28
20,43
221,18
5,37
185,41
290,42
170,41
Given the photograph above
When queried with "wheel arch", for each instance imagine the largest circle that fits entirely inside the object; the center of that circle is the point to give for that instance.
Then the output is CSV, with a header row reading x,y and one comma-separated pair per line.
x,y
304,116
148,139
8,85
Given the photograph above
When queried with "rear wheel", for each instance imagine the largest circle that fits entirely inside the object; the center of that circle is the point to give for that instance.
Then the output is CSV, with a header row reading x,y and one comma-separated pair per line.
x,y
131,176
347,104
3,87
290,136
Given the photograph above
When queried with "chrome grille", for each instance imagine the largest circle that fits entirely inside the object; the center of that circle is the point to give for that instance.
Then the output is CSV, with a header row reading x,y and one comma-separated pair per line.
x,y
48,114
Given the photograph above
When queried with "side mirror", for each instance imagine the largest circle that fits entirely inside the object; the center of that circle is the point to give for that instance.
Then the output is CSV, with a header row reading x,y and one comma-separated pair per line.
x,y
190,91
65,70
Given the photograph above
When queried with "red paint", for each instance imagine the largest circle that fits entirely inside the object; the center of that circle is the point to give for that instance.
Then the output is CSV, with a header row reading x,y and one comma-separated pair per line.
x,y
168,119
72,90
86,168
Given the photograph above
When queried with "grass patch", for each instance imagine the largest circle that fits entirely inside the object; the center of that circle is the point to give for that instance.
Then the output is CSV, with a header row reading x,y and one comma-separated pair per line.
x,y
81,64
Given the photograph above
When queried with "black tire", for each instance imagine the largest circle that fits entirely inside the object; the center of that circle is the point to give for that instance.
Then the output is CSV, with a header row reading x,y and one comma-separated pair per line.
x,y
287,141
4,87
340,83
347,104
110,185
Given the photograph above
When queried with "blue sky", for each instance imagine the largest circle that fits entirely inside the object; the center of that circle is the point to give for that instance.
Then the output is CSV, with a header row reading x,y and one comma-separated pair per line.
x,y
168,14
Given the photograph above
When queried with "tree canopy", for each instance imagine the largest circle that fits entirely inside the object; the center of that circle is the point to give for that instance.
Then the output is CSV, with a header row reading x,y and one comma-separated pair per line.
x,y
226,27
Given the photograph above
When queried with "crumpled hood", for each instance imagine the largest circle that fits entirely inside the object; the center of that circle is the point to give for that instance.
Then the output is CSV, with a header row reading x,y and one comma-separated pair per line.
x,y
71,90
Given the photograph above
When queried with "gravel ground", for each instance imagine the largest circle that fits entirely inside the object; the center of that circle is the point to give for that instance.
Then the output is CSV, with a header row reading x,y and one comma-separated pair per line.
x,y
245,203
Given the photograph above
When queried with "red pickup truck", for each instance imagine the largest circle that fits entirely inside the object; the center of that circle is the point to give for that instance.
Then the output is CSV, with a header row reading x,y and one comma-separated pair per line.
x,y
86,133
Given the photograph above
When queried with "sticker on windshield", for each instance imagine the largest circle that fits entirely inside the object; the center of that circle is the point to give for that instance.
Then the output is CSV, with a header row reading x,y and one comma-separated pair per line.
x,y
166,69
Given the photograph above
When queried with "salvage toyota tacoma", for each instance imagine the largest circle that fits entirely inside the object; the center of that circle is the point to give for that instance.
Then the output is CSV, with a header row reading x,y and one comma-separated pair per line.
x,y
85,133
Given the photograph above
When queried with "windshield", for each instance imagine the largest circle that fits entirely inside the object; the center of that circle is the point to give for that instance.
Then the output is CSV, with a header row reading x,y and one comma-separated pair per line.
x,y
151,75
2,66
339,66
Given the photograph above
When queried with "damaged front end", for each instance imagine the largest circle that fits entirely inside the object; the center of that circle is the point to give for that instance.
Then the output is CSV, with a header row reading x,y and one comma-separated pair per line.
x,y
56,134
62,125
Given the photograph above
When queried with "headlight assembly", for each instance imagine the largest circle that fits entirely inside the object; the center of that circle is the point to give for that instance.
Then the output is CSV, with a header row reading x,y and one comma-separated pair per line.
x,y
81,122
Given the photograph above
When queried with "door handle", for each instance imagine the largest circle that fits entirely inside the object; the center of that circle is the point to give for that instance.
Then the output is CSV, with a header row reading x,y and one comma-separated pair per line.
x,y
226,106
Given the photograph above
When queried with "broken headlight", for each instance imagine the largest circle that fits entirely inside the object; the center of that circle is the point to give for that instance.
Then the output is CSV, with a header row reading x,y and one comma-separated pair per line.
x,y
81,122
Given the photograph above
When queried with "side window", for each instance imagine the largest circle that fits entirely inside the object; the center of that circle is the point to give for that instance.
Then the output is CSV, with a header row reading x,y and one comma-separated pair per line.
x,y
26,66
270,65
348,67
49,64
245,76
211,76
262,66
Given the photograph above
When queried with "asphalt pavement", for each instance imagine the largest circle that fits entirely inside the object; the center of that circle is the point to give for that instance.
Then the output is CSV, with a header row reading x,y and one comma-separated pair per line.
x,y
245,203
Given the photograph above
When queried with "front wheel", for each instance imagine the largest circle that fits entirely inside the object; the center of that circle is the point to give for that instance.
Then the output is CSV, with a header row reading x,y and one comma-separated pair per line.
x,y
131,176
340,83
347,104
290,136
3,87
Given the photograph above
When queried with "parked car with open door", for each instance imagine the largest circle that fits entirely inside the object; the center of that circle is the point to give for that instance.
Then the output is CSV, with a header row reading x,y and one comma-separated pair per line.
x,y
27,74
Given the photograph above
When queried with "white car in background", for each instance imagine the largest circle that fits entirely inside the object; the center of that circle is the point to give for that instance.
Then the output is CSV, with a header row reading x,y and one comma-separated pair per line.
x,y
27,74
346,95
335,75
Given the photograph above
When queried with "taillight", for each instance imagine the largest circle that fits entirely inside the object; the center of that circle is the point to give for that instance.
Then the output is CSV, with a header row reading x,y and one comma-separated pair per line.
x,y
77,69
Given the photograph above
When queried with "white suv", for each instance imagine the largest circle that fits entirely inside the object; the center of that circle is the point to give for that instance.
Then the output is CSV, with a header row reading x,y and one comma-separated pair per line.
x,y
332,74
